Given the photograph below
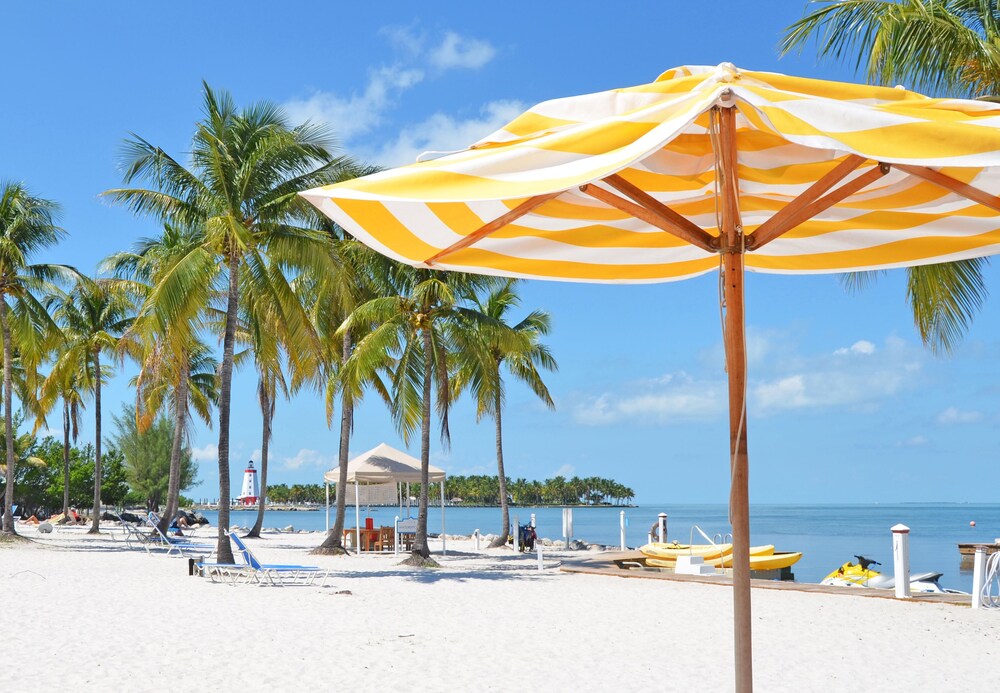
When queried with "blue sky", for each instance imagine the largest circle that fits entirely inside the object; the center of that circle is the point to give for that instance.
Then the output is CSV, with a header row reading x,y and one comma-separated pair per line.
x,y
845,404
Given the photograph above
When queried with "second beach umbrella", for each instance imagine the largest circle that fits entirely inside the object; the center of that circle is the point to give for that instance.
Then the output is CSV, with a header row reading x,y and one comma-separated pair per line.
x,y
703,169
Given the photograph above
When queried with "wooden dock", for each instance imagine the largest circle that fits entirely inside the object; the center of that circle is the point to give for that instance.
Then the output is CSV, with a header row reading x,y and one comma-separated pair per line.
x,y
608,565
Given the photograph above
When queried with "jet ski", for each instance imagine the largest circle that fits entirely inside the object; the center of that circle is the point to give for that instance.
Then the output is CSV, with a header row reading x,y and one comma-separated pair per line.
x,y
860,574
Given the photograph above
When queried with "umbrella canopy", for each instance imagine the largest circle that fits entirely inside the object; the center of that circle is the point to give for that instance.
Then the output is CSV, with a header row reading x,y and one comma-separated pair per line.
x,y
620,186
704,168
384,464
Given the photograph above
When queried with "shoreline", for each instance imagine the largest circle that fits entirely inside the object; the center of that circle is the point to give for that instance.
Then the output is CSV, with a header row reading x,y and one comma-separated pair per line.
x,y
456,618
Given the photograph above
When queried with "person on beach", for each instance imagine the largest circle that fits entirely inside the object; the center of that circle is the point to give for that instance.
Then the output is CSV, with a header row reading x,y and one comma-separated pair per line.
x,y
179,523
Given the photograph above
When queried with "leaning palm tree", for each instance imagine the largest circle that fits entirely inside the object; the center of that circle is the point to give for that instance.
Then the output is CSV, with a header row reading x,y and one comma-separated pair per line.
x,y
240,190
176,368
482,349
27,225
93,315
332,298
942,46
410,333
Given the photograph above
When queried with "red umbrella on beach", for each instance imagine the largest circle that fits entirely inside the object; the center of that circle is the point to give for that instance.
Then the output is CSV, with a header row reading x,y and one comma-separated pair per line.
x,y
705,169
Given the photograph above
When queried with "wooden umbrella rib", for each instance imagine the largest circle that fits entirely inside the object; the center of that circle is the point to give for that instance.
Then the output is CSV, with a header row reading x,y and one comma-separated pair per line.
x,y
686,231
778,224
682,225
493,226
804,213
954,185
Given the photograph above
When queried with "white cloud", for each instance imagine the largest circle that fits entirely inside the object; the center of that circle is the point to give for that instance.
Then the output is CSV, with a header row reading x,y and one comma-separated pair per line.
x,y
952,415
671,398
360,112
205,454
566,470
460,51
917,441
862,347
785,380
443,133
307,458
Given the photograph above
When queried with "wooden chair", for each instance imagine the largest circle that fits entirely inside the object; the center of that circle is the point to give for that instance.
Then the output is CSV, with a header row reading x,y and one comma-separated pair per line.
x,y
386,539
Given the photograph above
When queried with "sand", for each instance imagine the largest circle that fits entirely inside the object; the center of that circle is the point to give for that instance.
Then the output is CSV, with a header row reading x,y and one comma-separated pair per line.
x,y
88,614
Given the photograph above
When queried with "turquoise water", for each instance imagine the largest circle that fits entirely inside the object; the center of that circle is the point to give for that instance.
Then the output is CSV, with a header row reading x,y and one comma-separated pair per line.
x,y
828,535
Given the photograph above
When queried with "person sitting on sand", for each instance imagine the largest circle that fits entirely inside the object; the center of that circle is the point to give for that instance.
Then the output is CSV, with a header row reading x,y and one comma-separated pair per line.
x,y
180,522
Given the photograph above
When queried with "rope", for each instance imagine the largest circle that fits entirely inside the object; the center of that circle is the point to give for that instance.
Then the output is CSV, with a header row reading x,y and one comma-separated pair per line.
x,y
990,595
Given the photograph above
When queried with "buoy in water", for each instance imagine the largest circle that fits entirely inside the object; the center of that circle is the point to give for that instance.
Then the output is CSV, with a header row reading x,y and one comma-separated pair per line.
x,y
972,524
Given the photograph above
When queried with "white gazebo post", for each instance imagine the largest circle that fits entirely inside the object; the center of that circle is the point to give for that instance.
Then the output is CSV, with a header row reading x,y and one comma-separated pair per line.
x,y
327,508
395,536
357,517
621,525
444,545
901,560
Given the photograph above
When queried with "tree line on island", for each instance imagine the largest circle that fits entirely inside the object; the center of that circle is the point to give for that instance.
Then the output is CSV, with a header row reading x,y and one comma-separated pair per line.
x,y
485,490
242,261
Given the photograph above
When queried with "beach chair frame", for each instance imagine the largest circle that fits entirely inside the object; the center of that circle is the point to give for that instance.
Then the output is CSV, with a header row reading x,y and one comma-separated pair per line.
x,y
277,574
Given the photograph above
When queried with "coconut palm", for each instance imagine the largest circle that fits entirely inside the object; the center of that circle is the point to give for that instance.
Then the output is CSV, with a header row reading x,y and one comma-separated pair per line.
x,y
946,47
332,299
27,225
92,315
70,390
483,348
411,333
240,191
176,368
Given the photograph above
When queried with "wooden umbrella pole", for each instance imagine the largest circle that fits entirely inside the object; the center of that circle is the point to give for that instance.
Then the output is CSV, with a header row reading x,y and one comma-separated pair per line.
x,y
735,342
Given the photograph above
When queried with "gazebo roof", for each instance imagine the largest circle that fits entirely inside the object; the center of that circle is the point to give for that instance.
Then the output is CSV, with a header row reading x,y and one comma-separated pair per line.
x,y
384,464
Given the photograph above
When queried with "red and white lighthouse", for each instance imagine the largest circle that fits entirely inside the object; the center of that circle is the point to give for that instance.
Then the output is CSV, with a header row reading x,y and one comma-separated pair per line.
x,y
250,493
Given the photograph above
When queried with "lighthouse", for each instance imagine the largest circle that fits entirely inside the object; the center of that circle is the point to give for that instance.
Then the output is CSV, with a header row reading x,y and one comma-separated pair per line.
x,y
250,493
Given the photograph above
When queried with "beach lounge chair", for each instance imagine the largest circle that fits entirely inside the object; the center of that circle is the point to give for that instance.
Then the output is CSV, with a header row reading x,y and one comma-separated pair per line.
x,y
137,537
275,574
177,546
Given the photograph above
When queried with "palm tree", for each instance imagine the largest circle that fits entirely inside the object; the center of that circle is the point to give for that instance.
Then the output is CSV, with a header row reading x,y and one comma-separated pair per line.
x,y
483,349
176,368
93,316
332,300
70,389
27,225
240,191
411,333
941,46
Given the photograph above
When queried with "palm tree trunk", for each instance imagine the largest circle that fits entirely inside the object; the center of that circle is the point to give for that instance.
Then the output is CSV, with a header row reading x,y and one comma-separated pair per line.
x,y
501,477
224,551
334,543
267,409
95,528
8,421
176,447
66,432
420,547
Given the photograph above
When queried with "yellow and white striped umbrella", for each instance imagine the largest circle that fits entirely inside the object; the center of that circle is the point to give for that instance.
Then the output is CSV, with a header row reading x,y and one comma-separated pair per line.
x,y
621,186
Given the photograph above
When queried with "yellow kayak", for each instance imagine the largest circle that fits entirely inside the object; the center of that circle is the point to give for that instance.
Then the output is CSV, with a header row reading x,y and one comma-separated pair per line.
x,y
765,560
727,560
670,552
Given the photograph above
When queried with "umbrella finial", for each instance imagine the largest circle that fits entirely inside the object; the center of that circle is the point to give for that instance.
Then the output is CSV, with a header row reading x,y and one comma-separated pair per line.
x,y
726,73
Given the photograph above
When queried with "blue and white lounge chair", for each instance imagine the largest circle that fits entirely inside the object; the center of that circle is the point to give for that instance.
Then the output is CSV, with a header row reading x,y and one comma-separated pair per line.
x,y
178,546
275,574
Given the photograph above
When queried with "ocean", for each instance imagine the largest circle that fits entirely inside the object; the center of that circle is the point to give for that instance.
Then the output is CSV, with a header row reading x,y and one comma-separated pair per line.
x,y
828,535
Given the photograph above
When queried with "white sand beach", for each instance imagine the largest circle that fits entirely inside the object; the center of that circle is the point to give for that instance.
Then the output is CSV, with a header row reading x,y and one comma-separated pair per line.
x,y
87,614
